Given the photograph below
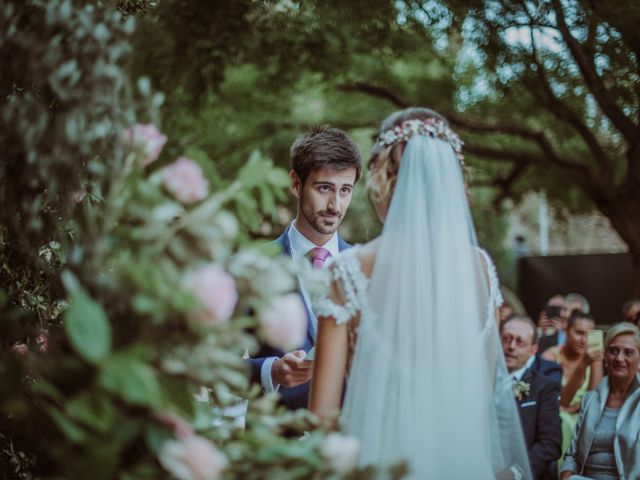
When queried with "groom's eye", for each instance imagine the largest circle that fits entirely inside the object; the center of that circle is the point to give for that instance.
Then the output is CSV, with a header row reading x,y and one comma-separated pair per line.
x,y
324,188
345,190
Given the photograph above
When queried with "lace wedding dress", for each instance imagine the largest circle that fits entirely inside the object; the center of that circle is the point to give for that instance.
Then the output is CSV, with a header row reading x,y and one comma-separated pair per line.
x,y
426,383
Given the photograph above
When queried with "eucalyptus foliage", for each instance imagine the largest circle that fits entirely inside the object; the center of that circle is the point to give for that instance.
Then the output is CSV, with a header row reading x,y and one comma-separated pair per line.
x,y
97,250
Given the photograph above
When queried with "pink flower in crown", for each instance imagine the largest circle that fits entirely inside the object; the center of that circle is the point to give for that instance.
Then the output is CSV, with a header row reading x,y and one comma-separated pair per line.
x,y
284,324
147,140
192,458
184,179
216,291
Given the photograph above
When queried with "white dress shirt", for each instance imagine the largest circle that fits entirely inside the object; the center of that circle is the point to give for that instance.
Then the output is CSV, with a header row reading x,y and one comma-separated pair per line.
x,y
300,247
518,374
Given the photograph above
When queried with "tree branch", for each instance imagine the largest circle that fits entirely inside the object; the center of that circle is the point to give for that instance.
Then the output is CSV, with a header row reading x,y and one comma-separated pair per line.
x,y
566,113
593,81
376,91
505,183
539,138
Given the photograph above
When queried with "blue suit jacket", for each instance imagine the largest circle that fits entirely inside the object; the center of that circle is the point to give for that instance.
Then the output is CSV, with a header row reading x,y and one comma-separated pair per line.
x,y
540,418
547,368
296,397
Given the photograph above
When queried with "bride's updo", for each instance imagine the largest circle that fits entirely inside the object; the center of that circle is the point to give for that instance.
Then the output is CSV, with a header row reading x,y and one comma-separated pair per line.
x,y
385,159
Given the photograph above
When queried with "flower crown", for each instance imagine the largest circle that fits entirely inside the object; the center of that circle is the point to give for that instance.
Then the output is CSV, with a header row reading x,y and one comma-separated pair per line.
x,y
431,127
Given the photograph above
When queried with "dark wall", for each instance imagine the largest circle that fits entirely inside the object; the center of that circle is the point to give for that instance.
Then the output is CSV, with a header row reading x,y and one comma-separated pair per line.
x,y
605,280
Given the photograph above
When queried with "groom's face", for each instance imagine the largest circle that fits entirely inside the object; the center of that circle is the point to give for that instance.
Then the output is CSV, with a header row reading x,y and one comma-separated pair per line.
x,y
323,198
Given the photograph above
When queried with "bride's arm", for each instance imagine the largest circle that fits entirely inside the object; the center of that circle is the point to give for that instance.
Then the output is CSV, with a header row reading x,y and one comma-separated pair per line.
x,y
330,362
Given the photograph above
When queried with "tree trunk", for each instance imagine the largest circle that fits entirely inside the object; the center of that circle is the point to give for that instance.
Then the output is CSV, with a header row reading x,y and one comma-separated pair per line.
x,y
624,215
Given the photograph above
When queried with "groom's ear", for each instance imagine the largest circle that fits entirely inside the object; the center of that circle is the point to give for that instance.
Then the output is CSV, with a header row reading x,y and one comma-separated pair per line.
x,y
296,184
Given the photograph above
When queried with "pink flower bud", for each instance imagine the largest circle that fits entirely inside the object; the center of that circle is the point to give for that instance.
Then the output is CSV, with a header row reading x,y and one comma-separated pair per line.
x,y
216,291
42,340
284,324
193,458
20,349
184,179
180,427
145,139
79,195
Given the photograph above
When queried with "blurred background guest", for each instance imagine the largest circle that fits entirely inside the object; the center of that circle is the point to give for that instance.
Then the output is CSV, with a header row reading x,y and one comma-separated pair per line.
x,y
511,305
582,369
551,325
631,311
606,442
536,395
556,314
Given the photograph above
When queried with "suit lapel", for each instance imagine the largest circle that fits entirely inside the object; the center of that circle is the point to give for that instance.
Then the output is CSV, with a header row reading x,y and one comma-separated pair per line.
x,y
342,245
283,241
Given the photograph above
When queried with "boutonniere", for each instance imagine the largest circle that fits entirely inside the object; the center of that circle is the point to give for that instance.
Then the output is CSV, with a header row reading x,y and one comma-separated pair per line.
x,y
521,389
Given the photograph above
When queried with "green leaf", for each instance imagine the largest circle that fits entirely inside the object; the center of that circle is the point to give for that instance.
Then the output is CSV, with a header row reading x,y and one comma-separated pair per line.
x,y
144,86
88,327
127,377
95,411
178,395
70,430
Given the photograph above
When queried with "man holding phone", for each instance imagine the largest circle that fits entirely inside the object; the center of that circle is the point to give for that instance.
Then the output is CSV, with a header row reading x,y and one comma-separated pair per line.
x,y
554,317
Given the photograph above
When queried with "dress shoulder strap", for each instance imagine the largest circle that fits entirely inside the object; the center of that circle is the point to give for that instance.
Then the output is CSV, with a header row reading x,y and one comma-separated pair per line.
x,y
347,277
494,282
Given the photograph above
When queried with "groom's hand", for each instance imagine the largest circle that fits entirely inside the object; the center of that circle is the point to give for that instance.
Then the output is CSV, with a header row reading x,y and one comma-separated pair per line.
x,y
291,370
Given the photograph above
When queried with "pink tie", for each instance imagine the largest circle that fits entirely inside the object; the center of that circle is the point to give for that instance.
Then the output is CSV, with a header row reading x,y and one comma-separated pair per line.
x,y
318,256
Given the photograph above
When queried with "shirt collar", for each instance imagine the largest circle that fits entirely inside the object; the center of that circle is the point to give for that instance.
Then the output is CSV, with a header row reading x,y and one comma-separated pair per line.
x,y
518,374
301,245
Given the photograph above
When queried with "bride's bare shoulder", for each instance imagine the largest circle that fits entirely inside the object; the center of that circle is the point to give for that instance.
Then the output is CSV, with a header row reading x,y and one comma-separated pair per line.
x,y
367,256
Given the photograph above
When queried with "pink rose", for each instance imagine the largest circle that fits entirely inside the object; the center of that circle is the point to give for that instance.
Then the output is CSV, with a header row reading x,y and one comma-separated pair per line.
x,y
20,349
192,458
42,340
216,291
145,139
79,195
341,452
284,324
180,427
184,179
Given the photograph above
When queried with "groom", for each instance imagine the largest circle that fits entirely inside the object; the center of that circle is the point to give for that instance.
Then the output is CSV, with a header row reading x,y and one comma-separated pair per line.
x,y
325,165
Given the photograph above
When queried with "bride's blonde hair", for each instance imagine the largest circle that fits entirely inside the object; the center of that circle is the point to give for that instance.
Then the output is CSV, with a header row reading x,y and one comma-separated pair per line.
x,y
384,162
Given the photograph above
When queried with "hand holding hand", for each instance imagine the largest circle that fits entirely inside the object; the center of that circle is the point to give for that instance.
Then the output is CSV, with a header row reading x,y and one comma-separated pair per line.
x,y
292,370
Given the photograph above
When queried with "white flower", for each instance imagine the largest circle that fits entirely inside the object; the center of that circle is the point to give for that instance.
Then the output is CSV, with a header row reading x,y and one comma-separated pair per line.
x,y
341,452
284,324
521,389
192,458
264,276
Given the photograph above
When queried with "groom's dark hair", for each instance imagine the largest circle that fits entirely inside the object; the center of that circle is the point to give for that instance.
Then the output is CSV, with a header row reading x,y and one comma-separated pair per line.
x,y
324,147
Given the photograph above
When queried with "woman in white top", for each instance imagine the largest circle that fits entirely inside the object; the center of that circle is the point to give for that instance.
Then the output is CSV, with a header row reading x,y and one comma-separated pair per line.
x,y
410,322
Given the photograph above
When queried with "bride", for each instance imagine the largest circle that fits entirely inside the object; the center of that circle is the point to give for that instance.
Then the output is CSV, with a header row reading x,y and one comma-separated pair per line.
x,y
409,325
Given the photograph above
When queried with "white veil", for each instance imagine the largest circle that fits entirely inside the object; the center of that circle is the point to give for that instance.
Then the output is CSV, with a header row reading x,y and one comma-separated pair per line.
x,y
428,382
